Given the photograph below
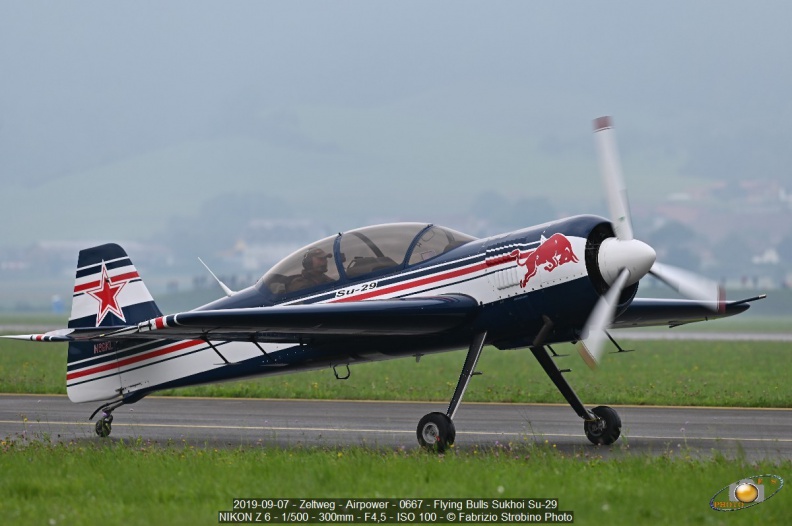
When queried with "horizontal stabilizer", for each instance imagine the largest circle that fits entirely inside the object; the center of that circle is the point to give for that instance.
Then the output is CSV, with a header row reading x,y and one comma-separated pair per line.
x,y
70,335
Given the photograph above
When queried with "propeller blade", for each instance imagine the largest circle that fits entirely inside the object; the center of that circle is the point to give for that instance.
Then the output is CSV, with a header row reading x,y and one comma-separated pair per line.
x,y
592,344
610,167
692,286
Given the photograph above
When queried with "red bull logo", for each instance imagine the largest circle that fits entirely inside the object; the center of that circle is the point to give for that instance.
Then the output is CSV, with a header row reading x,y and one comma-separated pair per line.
x,y
549,255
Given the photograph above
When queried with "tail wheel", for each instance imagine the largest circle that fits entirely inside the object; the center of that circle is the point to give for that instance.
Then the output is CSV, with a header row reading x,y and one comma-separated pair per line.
x,y
606,429
104,426
436,432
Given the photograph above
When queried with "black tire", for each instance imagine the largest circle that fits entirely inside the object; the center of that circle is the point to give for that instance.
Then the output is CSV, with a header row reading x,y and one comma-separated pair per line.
x,y
436,432
103,428
606,429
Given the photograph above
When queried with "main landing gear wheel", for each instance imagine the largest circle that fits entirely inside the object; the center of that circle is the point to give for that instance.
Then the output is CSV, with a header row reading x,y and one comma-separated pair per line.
x,y
606,428
103,426
436,432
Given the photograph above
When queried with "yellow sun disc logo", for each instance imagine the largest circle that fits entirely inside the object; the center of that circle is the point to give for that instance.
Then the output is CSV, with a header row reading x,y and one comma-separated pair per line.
x,y
746,492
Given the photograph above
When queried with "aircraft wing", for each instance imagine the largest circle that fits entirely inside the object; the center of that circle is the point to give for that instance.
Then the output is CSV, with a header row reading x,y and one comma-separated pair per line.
x,y
391,317
652,312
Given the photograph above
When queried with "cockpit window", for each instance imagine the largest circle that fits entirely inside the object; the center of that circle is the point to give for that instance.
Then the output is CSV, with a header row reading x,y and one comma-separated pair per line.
x,y
435,241
376,248
308,267
363,251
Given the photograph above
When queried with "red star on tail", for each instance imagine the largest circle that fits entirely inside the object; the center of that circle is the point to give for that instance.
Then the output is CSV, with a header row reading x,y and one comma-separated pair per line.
x,y
106,294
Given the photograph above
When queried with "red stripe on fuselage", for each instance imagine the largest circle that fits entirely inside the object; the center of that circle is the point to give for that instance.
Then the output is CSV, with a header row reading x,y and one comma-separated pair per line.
x,y
134,359
398,287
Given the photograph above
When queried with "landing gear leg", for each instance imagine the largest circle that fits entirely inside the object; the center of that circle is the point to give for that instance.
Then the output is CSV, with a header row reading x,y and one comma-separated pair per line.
x,y
436,431
104,424
602,424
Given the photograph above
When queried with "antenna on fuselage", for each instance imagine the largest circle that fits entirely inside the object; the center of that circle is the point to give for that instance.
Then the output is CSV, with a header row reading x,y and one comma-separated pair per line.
x,y
228,292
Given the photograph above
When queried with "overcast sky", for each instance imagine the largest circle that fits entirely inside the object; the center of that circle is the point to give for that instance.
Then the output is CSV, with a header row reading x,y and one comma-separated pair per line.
x,y
115,116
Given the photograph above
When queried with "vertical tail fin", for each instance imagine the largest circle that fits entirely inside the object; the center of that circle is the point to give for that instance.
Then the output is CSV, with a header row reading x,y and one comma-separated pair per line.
x,y
108,291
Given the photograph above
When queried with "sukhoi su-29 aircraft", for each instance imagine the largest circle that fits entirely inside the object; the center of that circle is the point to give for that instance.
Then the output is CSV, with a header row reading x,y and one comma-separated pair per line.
x,y
382,292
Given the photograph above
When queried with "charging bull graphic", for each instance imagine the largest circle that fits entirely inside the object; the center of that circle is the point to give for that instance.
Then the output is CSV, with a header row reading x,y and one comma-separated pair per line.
x,y
552,253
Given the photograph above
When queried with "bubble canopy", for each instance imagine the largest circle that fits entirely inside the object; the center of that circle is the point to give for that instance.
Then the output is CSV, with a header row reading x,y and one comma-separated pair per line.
x,y
359,254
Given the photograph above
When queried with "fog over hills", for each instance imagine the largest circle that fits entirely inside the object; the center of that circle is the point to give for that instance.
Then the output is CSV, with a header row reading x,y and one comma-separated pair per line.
x,y
177,123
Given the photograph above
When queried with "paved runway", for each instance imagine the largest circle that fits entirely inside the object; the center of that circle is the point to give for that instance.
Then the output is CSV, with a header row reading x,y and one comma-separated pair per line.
x,y
761,433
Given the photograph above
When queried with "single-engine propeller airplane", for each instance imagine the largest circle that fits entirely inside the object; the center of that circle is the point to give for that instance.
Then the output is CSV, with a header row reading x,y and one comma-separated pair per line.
x,y
382,292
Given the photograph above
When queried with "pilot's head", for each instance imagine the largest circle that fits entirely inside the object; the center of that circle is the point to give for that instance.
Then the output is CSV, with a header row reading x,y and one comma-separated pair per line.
x,y
315,260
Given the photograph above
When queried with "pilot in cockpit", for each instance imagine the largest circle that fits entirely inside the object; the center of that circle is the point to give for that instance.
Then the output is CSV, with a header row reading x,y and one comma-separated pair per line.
x,y
314,270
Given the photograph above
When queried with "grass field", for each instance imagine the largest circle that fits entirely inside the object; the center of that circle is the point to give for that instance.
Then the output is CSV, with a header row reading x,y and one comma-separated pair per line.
x,y
138,483
750,374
